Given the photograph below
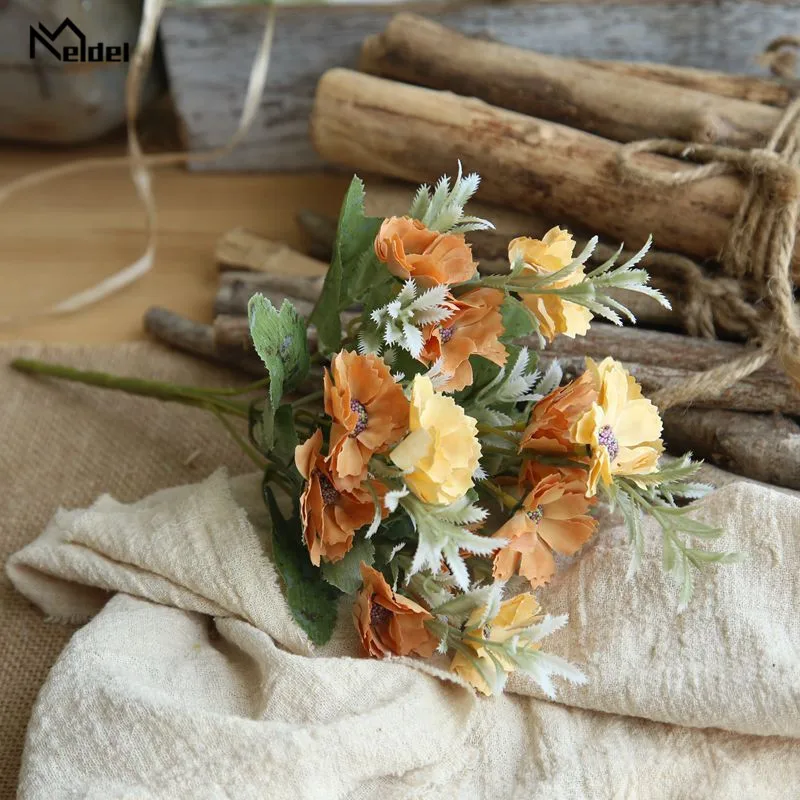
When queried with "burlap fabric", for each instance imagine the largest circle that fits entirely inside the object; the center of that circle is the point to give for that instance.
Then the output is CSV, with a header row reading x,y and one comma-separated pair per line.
x,y
153,699
63,445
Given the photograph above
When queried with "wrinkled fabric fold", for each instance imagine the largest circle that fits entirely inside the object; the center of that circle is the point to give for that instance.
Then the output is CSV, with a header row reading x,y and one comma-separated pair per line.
x,y
193,680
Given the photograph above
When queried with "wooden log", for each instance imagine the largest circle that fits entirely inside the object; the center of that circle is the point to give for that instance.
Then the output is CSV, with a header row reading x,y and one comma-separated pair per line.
x,y
237,287
617,106
321,232
209,51
231,334
242,249
763,393
765,447
198,339
741,87
657,348
415,134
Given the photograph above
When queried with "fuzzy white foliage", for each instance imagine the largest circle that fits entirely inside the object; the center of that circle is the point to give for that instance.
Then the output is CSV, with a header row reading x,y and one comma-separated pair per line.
x,y
443,209
549,381
441,535
542,667
511,386
393,497
458,609
398,323
508,387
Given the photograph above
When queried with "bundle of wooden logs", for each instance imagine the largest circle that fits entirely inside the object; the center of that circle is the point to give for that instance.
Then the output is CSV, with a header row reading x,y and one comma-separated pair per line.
x,y
546,149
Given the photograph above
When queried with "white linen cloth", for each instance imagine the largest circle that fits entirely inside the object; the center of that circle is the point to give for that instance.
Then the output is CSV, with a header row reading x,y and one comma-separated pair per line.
x,y
194,681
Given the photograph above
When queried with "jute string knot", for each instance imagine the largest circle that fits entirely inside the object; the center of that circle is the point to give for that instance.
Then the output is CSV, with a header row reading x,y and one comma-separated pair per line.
x,y
758,253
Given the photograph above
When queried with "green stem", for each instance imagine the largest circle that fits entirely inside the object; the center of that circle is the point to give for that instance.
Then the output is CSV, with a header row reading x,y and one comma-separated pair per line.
x,y
247,449
251,387
503,434
489,450
169,392
309,398
504,498
315,419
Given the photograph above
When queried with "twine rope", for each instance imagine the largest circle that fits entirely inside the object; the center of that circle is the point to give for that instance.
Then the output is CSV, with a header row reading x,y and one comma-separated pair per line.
x,y
758,252
139,163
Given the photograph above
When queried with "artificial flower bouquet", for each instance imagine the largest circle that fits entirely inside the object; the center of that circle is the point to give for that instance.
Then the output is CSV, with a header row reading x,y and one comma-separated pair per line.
x,y
416,459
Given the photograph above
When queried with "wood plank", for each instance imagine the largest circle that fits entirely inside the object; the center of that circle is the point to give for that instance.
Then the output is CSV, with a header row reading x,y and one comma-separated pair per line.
x,y
66,235
209,53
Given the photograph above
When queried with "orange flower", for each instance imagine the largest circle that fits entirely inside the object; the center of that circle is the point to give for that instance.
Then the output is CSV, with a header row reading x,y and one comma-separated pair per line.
x,y
553,518
474,329
534,471
410,250
369,413
549,255
553,416
390,623
330,516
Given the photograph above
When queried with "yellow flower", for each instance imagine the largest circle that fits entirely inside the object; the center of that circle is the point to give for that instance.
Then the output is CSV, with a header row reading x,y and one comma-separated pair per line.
x,y
442,450
548,255
514,616
622,428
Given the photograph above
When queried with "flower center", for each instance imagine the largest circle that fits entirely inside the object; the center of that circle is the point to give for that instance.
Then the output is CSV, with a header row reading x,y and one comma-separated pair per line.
x,y
328,490
537,514
609,441
363,417
379,616
445,334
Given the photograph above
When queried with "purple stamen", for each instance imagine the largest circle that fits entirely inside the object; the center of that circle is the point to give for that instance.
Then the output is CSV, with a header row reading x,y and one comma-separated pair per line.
x,y
536,515
363,417
379,616
327,489
607,439
445,334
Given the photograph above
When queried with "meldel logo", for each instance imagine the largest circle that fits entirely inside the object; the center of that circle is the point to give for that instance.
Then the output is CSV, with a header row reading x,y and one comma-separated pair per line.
x,y
80,53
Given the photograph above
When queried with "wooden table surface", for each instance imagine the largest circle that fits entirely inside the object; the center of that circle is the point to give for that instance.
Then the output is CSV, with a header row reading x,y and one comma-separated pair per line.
x,y
65,235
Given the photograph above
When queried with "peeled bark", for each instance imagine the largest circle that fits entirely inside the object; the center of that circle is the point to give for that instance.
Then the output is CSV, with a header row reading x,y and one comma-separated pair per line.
x,y
615,105
759,446
242,249
415,134
237,287
198,339
741,87
657,348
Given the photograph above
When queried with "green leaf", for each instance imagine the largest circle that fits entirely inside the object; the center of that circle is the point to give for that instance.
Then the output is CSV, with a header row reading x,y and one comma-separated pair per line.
x,y
346,574
311,600
261,426
517,320
350,266
280,339
483,373
273,433
285,435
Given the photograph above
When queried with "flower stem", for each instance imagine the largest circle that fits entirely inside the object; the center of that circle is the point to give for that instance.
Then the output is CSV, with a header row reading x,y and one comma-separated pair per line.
x,y
503,434
251,387
509,501
315,419
309,398
488,450
169,392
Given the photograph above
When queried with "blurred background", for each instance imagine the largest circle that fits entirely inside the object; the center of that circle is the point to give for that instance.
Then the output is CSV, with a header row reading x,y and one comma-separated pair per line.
x,y
62,100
